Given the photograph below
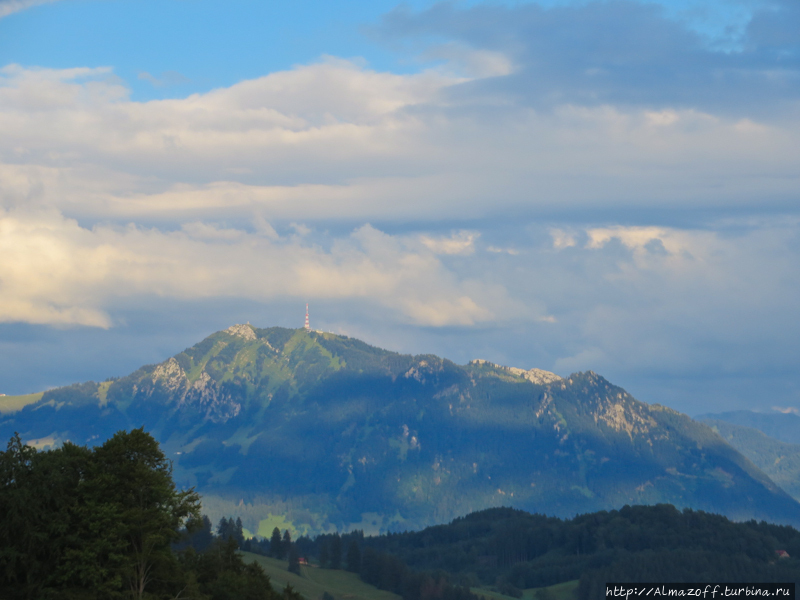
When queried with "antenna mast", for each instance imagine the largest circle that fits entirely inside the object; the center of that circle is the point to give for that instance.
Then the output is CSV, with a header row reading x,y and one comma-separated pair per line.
x,y
307,326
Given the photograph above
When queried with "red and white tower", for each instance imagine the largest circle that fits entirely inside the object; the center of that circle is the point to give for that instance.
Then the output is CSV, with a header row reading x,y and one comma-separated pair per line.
x,y
307,326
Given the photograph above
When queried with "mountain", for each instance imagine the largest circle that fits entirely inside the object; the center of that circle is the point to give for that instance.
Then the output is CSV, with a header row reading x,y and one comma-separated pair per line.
x,y
778,460
781,426
314,431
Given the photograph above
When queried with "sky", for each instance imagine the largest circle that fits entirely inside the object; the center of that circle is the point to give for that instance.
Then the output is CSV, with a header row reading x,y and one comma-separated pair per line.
x,y
568,185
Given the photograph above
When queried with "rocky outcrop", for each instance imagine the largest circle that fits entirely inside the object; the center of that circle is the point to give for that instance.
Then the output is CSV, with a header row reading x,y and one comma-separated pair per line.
x,y
242,331
537,376
204,394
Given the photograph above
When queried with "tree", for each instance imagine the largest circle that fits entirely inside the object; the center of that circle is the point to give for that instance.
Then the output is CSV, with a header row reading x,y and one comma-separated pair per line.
x,y
199,534
224,530
275,544
238,531
38,503
354,557
336,552
324,555
132,482
97,522
294,560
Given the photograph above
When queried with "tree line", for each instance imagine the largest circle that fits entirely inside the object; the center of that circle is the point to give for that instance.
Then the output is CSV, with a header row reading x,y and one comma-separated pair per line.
x,y
104,524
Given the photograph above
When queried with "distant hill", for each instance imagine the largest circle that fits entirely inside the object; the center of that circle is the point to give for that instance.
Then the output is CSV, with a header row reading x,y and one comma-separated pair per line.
x,y
781,426
779,460
314,431
514,550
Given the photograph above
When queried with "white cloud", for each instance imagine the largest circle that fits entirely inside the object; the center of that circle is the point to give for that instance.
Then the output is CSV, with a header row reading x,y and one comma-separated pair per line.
x,y
335,140
8,7
460,242
56,272
470,61
561,238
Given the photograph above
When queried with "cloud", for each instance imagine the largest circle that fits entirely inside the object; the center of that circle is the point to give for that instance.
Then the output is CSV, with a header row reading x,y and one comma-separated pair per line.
x,y
167,79
460,242
55,271
619,53
667,300
565,186
8,7
333,140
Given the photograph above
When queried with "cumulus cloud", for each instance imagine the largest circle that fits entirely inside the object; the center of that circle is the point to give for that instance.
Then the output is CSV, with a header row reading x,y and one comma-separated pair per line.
x,y
336,140
678,300
56,272
524,180
460,242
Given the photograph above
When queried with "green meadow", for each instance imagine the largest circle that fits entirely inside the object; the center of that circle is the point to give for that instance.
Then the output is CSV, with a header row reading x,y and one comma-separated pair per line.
x,y
343,585
314,581
11,404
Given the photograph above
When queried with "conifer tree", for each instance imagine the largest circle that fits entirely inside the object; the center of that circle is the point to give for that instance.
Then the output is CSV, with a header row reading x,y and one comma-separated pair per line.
x,y
294,559
324,555
336,552
238,531
275,544
354,557
285,544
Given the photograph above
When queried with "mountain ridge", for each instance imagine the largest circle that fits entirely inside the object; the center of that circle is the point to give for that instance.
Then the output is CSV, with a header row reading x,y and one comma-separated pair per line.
x,y
336,433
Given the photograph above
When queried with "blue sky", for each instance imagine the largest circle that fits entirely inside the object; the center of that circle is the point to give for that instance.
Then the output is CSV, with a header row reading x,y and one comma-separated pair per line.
x,y
565,185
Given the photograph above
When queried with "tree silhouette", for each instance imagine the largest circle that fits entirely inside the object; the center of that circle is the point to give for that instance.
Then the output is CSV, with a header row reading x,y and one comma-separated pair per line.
x,y
275,546
354,557
336,552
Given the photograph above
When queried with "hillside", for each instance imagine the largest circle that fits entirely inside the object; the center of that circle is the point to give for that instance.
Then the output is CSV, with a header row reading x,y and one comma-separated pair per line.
x,y
512,550
315,431
781,426
778,460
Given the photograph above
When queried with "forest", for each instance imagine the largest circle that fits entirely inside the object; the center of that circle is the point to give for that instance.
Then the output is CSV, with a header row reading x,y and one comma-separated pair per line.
x,y
102,523
109,522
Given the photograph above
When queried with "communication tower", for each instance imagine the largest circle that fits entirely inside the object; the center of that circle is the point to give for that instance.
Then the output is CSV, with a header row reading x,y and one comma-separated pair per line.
x,y
307,326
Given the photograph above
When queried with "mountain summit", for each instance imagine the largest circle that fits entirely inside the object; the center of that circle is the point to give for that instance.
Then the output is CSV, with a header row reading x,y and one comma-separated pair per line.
x,y
331,432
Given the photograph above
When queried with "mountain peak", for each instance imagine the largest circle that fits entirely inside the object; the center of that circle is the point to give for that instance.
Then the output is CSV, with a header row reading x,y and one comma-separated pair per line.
x,y
243,331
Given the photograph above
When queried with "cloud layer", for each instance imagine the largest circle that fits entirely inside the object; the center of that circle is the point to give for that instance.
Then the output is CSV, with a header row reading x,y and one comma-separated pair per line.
x,y
521,190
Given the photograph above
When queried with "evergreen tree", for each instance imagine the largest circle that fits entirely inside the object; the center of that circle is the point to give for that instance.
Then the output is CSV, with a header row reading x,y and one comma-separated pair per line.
x,y
294,559
275,544
238,531
336,552
224,530
324,555
286,543
354,557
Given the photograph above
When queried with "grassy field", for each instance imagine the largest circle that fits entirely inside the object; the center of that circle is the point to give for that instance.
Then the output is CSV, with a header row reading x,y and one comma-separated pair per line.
x,y
314,581
561,591
343,585
11,404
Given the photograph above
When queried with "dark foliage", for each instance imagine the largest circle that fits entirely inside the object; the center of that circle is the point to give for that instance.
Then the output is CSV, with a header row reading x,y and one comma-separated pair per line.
x,y
388,572
103,523
294,560
513,550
